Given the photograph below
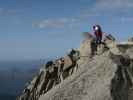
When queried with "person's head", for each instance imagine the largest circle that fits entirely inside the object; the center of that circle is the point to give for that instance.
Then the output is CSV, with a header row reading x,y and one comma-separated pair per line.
x,y
97,28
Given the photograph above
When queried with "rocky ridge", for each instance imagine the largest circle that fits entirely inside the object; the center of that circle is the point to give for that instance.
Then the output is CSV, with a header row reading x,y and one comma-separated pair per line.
x,y
86,74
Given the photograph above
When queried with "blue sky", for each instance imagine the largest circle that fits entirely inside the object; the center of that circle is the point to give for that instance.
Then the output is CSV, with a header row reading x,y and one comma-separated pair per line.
x,y
37,29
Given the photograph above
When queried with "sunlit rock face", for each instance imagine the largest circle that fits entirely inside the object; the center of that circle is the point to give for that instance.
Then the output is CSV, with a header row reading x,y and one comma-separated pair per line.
x,y
130,40
122,83
105,75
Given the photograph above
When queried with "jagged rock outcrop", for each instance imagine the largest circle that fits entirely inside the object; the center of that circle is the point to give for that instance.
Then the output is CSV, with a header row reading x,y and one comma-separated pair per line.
x,y
85,74
122,83
130,40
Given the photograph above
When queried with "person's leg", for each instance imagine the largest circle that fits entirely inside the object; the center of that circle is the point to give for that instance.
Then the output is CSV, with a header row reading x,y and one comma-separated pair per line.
x,y
94,45
99,40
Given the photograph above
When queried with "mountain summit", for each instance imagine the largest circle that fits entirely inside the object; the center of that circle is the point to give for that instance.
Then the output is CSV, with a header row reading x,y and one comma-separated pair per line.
x,y
103,72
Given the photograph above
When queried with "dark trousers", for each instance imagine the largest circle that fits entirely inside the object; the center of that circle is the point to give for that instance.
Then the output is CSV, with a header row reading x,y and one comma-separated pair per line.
x,y
98,40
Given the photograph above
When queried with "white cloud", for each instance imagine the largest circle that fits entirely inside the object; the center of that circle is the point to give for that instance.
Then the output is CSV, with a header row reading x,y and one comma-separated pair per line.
x,y
10,12
113,8
114,4
126,19
56,23
108,6
121,9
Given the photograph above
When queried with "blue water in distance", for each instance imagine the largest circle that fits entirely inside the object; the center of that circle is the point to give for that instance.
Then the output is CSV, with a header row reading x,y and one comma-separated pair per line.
x,y
15,74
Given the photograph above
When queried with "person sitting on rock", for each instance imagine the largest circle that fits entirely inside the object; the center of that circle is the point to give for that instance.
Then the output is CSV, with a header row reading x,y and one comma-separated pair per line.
x,y
98,33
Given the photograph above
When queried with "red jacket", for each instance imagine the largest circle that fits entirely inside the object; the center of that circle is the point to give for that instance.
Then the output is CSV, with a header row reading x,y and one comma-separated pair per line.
x,y
98,34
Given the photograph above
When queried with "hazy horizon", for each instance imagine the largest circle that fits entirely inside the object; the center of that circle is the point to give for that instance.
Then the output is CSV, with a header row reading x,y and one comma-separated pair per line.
x,y
14,76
